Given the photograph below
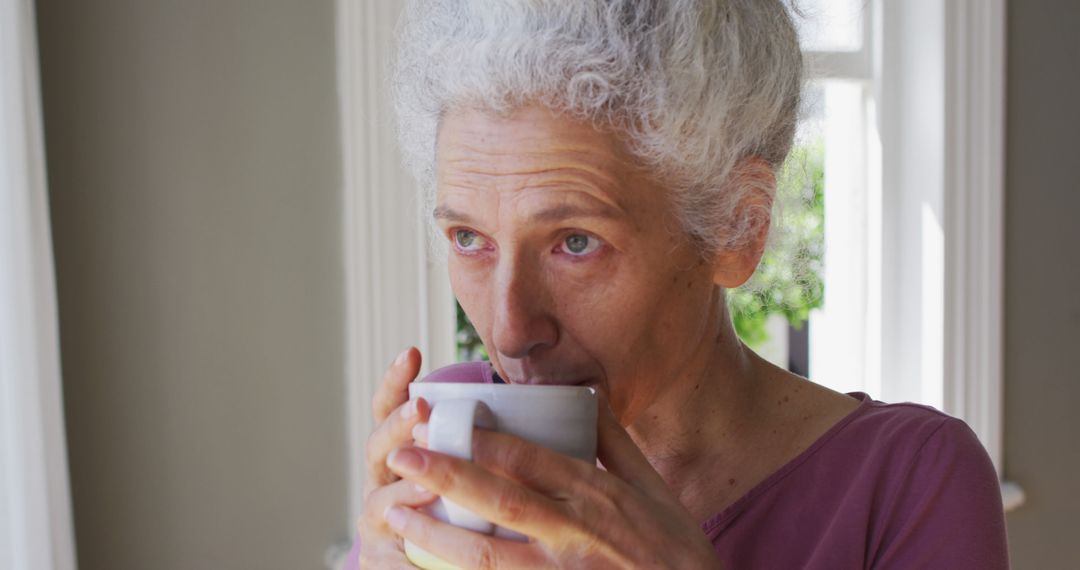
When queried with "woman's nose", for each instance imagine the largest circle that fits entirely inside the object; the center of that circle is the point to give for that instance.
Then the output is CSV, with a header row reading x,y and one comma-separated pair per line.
x,y
523,322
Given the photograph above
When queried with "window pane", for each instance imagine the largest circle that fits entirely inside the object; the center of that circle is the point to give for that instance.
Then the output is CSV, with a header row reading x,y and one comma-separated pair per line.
x,y
844,331
831,25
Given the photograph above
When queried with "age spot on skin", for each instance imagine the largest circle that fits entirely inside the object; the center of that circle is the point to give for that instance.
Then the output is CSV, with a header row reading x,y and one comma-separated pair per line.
x,y
731,482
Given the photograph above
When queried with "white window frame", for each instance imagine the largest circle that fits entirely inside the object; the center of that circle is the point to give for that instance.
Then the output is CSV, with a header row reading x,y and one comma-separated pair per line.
x,y
397,294
944,127
937,72
934,241
974,336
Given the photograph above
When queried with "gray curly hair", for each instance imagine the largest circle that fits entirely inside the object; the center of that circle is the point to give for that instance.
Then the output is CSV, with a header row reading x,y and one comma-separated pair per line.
x,y
693,87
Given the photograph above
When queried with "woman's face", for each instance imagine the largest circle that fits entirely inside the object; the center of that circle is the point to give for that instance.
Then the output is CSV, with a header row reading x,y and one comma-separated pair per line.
x,y
567,258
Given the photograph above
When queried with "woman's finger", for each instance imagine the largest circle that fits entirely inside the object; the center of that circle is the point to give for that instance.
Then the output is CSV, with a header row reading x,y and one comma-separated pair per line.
x,y
420,434
398,493
383,559
556,475
394,389
380,546
621,457
502,501
463,548
384,556
394,432
535,466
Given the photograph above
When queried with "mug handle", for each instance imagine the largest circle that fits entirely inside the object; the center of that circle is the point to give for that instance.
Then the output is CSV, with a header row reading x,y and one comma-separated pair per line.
x,y
450,431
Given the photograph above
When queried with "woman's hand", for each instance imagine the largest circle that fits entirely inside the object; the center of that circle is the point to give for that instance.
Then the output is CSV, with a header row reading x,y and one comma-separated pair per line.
x,y
395,415
577,515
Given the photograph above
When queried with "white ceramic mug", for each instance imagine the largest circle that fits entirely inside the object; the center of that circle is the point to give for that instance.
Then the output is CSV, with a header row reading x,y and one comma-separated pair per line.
x,y
561,418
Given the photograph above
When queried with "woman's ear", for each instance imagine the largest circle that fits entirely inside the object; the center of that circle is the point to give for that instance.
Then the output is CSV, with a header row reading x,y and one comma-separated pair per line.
x,y
756,182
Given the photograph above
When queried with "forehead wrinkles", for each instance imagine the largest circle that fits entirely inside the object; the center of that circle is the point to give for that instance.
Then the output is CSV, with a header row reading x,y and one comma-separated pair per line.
x,y
529,144
489,161
598,185
516,167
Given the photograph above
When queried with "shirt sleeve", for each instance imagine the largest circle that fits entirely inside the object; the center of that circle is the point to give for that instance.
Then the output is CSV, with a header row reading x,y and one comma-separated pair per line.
x,y
946,511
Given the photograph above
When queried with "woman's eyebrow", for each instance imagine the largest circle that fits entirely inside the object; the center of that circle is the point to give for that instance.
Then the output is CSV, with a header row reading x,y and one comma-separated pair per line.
x,y
552,214
451,215
568,211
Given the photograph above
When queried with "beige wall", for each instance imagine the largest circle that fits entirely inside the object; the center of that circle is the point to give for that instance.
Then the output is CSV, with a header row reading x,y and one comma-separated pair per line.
x,y
194,175
1042,296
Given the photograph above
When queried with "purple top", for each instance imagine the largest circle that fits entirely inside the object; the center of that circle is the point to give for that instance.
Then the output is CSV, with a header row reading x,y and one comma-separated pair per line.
x,y
889,486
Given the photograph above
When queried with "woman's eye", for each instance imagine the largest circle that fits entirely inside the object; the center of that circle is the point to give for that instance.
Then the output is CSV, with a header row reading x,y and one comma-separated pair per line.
x,y
468,240
580,244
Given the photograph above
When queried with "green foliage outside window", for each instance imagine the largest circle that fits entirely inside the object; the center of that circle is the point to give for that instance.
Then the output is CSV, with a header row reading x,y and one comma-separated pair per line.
x,y
788,280
469,346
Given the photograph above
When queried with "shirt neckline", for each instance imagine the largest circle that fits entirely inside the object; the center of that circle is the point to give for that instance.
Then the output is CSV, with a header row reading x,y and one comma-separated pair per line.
x,y
721,519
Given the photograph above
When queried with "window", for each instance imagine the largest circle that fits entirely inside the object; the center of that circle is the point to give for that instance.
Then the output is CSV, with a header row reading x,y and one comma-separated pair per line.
x,y
906,101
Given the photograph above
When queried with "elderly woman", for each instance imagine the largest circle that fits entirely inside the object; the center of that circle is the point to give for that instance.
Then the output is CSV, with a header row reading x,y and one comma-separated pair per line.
x,y
602,172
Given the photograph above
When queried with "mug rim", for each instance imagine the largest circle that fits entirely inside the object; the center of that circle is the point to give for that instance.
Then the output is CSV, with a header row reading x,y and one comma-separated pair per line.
x,y
534,390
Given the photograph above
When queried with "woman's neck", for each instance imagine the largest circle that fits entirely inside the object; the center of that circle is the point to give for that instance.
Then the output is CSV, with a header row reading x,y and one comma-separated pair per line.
x,y
706,415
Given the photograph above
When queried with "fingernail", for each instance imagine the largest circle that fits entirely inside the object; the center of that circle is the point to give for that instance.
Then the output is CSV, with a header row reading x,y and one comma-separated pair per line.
x,y
406,461
401,357
421,490
409,410
419,432
395,517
